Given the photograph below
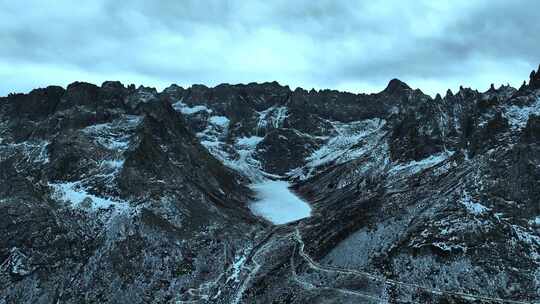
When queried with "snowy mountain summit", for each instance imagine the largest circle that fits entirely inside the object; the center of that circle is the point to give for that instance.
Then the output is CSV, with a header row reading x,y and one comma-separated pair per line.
x,y
257,193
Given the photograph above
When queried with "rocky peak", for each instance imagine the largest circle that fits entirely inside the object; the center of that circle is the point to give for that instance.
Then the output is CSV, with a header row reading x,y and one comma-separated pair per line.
x,y
174,90
396,87
114,90
198,88
79,94
523,86
38,104
534,79
112,85
141,96
267,86
161,111
467,93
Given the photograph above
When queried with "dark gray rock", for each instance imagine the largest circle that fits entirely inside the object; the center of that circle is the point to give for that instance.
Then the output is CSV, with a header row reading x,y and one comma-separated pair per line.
x,y
284,149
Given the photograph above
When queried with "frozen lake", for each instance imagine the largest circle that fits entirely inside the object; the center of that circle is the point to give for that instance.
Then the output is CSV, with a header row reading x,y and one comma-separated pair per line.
x,y
276,203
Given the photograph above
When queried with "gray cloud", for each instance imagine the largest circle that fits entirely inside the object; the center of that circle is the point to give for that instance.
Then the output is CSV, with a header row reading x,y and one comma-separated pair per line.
x,y
348,45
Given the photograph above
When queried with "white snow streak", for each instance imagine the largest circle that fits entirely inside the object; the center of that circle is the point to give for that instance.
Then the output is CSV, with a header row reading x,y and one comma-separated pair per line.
x,y
245,163
236,268
349,141
187,110
414,166
273,116
341,146
114,135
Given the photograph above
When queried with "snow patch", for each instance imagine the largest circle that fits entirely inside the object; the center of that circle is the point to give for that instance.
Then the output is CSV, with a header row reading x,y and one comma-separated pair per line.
x,y
110,168
221,121
342,145
115,143
449,247
245,163
414,166
75,194
115,164
273,116
187,110
242,161
518,116
277,203
348,141
236,268
249,142
471,206
213,136
114,135
33,151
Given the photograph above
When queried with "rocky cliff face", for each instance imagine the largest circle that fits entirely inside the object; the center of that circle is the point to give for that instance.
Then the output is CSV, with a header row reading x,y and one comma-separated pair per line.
x,y
108,197
128,195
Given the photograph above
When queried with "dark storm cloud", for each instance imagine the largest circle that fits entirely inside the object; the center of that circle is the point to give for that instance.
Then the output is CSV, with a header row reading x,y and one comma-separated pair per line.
x,y
503,30
349,45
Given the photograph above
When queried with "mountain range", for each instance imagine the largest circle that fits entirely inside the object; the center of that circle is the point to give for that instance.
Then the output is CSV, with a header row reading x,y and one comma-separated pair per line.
x,y
119,194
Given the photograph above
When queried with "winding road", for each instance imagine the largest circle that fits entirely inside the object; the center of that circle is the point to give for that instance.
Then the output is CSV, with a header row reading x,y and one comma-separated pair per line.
x,y
325,268
291,231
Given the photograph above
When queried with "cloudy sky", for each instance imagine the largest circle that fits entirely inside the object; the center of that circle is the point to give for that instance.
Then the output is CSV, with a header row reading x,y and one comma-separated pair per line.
x,y
353,45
